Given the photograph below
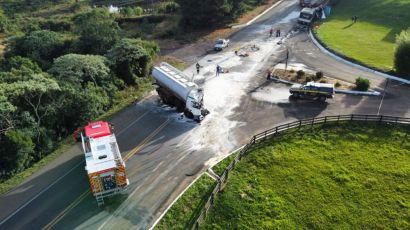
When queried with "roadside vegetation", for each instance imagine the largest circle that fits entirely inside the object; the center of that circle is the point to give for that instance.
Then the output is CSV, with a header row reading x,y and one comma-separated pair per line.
x,y
346,175
372,39
184,212
64,63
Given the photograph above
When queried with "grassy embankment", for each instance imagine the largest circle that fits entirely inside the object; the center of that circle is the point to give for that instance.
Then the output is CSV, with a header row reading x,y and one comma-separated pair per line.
x,y
348,176
185,211
371,40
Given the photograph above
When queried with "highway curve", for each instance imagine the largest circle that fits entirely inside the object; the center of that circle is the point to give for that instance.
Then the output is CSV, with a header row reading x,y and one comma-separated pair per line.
x,y
165,152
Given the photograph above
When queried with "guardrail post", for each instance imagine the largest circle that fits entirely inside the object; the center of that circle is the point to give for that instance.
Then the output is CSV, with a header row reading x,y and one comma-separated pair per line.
x,y
381,119
300,123
325,119
366,117
351,117
311,124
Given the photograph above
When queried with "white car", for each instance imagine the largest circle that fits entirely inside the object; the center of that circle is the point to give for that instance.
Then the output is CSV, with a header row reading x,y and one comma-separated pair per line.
x,y
220,44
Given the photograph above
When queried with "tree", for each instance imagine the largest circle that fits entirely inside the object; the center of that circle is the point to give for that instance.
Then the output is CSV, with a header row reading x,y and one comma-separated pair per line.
x,y
33,93
4,22
402,54
16,150
41,46
131,58
82,69
22,65
97,29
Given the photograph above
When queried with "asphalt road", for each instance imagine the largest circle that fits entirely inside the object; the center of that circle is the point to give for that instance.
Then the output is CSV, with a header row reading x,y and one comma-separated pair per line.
x,y
165,153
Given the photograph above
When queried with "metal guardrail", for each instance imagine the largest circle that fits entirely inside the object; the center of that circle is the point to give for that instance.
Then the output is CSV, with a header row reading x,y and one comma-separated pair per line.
x,y
281,128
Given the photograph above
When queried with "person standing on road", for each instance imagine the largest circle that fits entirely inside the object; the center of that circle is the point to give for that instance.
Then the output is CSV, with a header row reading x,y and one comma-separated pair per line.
x,y
278,33
270,32
197,68
218,69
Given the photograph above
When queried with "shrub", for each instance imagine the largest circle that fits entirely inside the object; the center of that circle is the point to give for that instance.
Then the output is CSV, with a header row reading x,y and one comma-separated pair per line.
x,y
168,7
362,84
300,74
402,54
138,11
323,81
292,71
319,75
308,78
338,84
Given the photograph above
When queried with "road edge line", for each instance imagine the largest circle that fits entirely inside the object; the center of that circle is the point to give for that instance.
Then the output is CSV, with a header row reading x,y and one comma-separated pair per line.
x,y
40,193
173,202
258,16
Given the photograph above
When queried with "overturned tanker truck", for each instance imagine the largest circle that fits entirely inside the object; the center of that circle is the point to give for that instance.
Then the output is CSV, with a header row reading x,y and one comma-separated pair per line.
x,y
176,90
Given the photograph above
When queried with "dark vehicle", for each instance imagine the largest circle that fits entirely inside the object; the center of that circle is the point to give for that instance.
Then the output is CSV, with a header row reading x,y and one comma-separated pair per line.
x,y
312,90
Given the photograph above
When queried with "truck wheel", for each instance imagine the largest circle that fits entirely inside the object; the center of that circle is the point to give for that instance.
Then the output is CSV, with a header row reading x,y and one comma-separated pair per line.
x,y
188,114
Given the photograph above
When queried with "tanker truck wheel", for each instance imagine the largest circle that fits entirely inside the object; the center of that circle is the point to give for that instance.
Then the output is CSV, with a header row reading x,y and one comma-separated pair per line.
x,y
189,114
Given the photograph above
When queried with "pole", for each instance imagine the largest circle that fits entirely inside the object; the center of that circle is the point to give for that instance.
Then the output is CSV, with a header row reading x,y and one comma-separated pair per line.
x,y
287,58
384,94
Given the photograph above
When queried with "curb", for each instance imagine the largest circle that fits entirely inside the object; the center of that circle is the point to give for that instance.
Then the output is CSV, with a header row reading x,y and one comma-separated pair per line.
x,y
326,51
357,93
173,202
258,16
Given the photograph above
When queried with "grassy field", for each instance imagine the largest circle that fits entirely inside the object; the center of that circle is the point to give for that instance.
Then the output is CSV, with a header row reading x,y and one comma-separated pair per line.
x,y
352,176
372,39
184,212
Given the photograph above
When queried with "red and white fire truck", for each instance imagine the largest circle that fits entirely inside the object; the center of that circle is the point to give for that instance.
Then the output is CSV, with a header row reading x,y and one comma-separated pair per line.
x,y
104,164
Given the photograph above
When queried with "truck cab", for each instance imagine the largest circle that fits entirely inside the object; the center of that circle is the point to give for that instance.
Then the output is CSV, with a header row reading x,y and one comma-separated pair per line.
x,y
312,90
307,16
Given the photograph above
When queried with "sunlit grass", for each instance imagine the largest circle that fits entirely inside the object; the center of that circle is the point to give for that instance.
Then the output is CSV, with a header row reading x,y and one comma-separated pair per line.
x,y
353,176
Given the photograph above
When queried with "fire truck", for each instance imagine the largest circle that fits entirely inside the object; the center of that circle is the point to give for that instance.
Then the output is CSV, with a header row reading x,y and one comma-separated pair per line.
x,y
104,164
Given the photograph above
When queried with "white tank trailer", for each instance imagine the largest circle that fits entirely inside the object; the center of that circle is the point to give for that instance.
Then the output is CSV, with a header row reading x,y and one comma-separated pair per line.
x,y
176,90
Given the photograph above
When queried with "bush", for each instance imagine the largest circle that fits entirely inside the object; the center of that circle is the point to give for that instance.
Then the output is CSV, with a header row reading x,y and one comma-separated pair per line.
x,y
309,78
323,81
292,71
402,54
362,84
319,75
300,74
168,7
338,84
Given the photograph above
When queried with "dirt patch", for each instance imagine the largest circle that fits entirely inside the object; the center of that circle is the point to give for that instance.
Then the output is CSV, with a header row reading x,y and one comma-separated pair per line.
x,y
302,77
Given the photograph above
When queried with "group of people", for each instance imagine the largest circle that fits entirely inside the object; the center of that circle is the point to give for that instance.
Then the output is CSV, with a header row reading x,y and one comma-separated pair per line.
x,y
277,32
218,69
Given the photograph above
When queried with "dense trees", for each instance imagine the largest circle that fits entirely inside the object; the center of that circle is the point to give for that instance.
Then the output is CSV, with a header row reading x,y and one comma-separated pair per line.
x,y
402,55
46,92
131,58
98,31
41,46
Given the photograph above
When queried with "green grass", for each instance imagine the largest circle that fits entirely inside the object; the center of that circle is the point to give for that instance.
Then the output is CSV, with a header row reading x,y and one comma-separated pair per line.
x,y
353,176
184,212
221,166
371,40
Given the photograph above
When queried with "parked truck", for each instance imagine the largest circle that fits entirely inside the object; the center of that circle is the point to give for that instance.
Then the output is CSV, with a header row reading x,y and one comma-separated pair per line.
x,y
307,16
175,89
104,165
312,90
220,44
